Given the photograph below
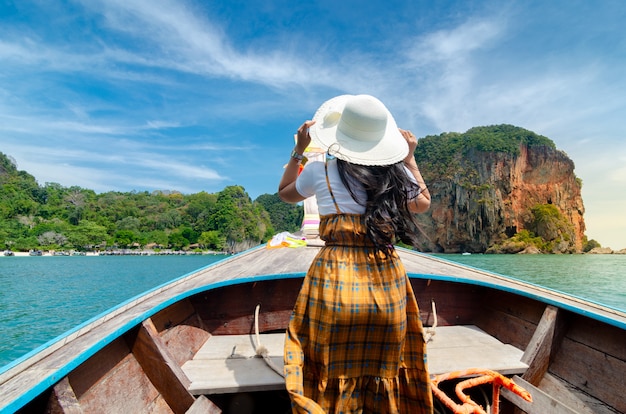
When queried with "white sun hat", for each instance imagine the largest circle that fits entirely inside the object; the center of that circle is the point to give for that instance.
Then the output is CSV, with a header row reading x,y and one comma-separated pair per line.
x,y
358,129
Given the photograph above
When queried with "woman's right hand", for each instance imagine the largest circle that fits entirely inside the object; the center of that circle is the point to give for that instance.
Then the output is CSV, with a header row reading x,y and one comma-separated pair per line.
x,y
303,138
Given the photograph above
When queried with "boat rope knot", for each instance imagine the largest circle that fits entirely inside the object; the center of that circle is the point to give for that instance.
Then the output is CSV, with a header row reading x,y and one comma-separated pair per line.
x,y
261,350
485,377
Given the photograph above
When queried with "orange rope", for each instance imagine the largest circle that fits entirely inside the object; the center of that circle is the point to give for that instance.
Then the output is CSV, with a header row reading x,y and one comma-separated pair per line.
x,y
485,377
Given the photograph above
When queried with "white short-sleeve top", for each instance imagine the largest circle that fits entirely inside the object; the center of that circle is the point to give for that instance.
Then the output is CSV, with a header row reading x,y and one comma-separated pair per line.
x,y
312,181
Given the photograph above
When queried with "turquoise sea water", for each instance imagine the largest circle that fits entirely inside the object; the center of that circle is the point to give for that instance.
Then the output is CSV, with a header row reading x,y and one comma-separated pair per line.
x,y
598,278
43,297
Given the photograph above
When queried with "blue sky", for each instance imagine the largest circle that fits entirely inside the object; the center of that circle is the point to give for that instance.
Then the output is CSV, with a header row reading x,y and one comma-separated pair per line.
x,y
198,95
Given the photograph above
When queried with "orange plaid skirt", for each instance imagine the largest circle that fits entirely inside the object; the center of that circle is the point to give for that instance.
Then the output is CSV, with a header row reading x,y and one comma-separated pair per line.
x,y
354,342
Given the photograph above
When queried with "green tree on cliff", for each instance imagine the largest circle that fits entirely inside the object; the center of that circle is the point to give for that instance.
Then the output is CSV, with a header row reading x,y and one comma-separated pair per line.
x,y
284,216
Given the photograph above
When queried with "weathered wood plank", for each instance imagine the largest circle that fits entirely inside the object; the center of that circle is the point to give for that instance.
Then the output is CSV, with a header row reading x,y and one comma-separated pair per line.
x,y
602,337
501,358
543,345
240,346
202,405
113,379
592,371
519,315
461,336
161,368
516,329
184,340
456,348
99,367
125,389
572,397
231,311
454,306
276,320
451,350
223,376
542,403
63,400
173,315
227,363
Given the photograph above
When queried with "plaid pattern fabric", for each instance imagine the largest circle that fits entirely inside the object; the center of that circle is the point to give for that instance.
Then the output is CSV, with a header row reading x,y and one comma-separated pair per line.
x,y
354,342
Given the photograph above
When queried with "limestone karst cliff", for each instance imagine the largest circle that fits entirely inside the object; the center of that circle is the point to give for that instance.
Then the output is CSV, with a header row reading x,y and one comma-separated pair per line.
x,y
499,189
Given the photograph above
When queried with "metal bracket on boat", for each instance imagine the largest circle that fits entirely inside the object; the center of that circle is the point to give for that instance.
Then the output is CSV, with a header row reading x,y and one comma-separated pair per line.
x,y
235,355
485,377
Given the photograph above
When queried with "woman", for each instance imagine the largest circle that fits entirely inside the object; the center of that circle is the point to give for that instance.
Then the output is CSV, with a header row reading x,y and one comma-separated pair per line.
x,y
354,342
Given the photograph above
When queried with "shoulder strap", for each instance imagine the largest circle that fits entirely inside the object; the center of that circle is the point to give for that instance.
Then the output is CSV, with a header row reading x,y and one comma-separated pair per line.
x,y
330,190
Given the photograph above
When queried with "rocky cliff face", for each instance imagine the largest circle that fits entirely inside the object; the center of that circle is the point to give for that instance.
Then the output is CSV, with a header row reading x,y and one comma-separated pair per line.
x,y
482,199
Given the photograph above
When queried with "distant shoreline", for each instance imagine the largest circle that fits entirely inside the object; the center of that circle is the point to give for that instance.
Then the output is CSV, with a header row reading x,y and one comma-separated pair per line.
x,y
597,250
119,253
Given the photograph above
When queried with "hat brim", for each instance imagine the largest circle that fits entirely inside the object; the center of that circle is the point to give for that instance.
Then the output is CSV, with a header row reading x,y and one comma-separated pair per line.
x,y
392,148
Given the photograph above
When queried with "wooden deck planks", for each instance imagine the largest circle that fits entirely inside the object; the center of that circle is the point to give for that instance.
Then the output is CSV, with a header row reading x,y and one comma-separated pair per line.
x,y
226,364
240,346
456,348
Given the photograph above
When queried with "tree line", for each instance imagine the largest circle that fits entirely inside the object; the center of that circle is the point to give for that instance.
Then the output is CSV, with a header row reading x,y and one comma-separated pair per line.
x,y
53,217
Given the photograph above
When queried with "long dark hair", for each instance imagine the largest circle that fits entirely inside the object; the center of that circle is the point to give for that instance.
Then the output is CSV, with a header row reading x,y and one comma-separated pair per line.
x,y
388,191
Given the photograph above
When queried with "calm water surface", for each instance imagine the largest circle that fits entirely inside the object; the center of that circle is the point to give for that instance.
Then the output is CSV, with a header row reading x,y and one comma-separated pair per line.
x,y
44,297
599,278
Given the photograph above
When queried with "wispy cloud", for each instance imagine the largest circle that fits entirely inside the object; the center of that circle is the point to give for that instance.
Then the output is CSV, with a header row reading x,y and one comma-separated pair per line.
x,y
171,35
455,46
161,124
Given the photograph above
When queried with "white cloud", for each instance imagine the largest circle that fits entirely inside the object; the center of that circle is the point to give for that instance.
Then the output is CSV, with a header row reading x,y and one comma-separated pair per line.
x,y
454,46
175,168
162,124
173,35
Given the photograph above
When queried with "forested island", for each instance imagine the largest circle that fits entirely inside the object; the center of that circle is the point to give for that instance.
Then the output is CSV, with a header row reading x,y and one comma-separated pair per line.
x,y
53,217
495,189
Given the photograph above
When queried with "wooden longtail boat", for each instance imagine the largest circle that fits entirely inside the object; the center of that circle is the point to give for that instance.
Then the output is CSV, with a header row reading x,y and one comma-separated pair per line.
x,y
191,345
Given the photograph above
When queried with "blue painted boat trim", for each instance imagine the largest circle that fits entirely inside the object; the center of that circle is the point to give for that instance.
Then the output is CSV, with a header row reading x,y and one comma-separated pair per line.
x,y
540,298
50,380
